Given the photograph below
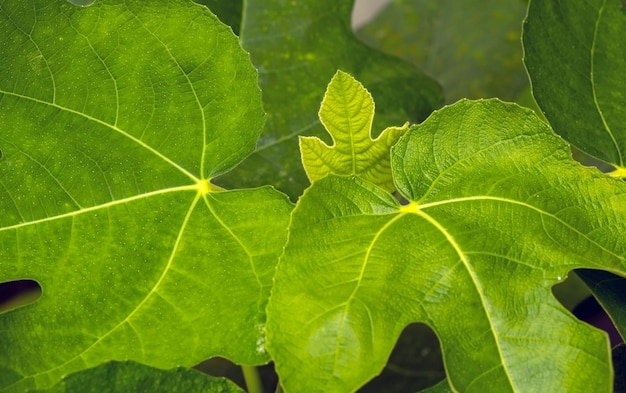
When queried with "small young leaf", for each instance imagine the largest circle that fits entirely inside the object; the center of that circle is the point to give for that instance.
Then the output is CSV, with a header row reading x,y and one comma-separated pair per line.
x,y
124,377
576,61
498,213
297,47
347,113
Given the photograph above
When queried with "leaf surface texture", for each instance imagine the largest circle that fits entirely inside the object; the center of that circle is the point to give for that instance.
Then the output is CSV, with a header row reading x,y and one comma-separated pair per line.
x,y
113,121
497,213
347,113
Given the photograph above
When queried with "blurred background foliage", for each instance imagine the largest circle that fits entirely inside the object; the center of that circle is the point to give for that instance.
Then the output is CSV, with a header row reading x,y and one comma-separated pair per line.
x,y
472,48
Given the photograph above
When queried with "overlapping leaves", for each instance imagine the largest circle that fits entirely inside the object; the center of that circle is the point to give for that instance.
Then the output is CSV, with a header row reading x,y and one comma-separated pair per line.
x,y
113,120
498,212
578,82
298,47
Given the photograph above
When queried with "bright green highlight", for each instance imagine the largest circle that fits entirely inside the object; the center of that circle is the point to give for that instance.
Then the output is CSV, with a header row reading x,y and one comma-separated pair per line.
x,y
347,113
498,213
619,172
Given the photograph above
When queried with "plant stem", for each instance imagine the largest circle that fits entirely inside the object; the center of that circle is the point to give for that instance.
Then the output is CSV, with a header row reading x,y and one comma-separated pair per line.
x,y
253,381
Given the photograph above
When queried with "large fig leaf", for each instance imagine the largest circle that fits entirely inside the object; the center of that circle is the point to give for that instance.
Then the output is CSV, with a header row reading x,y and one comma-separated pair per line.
x,y
498,213
124,377
229,11
113,120
297,47
575,59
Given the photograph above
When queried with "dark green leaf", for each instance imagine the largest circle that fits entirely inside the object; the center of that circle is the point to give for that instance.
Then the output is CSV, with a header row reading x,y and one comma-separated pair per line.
x,y
610,291
619,360
415,363
441,387
472,47
229,11
575,58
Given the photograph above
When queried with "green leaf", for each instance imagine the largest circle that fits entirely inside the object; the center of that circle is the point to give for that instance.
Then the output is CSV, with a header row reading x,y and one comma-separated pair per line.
x,y
347,113
610,291
498,213
415,363
229,11
123,377
113,121
575,60
297,48
471,48
441,387
619,360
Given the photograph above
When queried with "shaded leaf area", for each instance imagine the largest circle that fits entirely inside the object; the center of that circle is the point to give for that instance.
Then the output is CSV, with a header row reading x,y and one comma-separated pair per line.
x,y
229,11
471,48
498,212
297,47
414,363
610,291
571,292
347,113
619,360
123,377
113,121
441,387
575,61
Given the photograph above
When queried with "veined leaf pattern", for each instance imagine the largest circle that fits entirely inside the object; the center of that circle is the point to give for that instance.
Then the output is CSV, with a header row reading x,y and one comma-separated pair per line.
x,y
113,121
497,213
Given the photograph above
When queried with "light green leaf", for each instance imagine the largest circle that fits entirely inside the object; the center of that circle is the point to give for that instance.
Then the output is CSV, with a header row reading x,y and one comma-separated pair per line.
x,y
471,48
124,377
575,59
347,113
498,213
113,121
297,47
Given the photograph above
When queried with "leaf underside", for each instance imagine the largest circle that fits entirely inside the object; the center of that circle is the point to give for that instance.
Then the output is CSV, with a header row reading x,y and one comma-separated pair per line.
x,y
498,212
